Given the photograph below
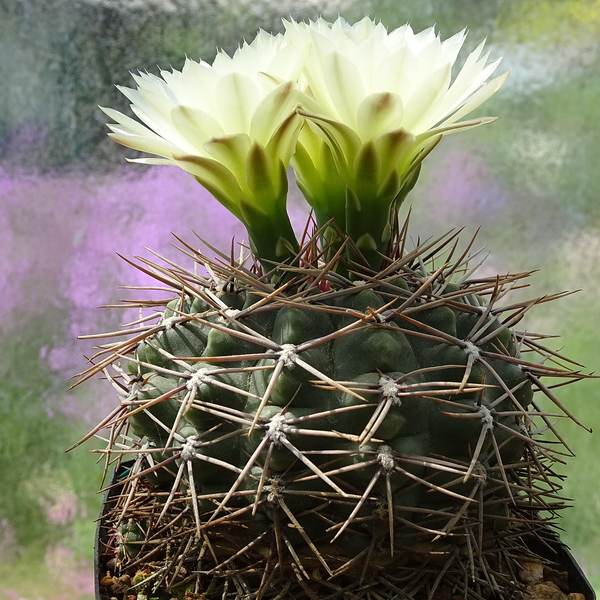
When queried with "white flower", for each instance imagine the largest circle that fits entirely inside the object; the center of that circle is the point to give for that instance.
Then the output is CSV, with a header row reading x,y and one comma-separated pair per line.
x,y
232,125
380,102
355,108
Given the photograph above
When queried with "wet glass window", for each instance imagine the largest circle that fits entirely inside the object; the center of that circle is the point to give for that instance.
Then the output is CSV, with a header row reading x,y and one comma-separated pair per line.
x,y
72,208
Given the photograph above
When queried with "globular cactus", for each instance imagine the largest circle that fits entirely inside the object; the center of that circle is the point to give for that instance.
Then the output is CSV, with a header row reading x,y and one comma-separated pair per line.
x,y
332,433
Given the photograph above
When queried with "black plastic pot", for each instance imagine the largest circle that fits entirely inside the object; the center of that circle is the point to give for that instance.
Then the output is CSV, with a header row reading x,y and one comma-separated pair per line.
x,y
102,533
554,550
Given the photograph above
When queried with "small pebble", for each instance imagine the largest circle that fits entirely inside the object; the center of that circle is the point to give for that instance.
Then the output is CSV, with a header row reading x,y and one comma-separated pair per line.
x,y
545,591
560,578
531,572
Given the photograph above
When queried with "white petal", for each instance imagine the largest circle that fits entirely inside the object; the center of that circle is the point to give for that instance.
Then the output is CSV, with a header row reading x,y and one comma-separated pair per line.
x,y
447,129
238,97
147,144
379,112
153,108
451,47
345,87
153,161
128,124
470,78
478,98
195,126
399,72
420,106
272,110
194,85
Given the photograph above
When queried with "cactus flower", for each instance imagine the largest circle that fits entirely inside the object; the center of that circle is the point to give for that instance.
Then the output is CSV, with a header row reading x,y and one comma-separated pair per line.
x,y
353,107
232,125
380,102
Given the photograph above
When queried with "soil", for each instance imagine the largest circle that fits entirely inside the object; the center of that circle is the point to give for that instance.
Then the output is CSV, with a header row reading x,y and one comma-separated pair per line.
x,y
536,580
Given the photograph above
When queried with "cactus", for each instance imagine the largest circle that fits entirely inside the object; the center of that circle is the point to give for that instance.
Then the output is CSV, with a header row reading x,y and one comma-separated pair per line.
x,y
341,416
329,433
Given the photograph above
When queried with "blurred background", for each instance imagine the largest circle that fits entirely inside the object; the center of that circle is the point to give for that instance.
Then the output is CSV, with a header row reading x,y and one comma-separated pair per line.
x,y
69,204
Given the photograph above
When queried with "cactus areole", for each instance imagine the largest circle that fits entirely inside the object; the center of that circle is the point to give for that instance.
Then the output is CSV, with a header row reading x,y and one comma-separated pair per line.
x,y
341,415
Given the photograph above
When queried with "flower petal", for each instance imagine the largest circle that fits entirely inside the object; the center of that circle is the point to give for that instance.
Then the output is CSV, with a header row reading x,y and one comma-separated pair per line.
x,y
231,151
283,142
478,98
238,97
420,108
393,147
128,124
378,113
447,128
195,125
150,144
273,110
366,168
344,86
